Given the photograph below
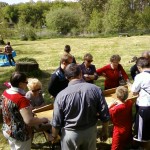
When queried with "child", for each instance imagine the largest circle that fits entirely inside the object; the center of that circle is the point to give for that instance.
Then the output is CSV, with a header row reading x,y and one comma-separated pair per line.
x,y
121,117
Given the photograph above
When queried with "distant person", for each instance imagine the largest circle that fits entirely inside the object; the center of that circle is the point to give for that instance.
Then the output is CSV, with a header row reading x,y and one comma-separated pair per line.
x,y
17,114
89,73
114,73
8,51
67,49
58,81
35,93
121,117
134,69
76,111
141,87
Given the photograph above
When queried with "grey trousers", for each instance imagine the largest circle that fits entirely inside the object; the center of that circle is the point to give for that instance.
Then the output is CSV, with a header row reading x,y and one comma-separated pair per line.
x,y
79,139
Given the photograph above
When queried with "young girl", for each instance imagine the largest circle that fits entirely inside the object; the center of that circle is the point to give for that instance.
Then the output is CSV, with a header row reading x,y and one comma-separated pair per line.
x,y
121,117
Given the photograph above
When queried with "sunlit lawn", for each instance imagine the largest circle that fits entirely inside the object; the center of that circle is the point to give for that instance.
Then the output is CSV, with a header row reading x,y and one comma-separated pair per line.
x,y
47,53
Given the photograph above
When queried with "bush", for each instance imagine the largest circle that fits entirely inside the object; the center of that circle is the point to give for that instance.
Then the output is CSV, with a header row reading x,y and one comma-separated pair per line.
x,y
62,20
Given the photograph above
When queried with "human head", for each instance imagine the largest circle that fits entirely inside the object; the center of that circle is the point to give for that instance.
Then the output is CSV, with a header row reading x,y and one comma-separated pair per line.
x,y
34,85
8,43
146,54
67,49
18,80
65,60
142,63
122,93
73,71
88,58
114,60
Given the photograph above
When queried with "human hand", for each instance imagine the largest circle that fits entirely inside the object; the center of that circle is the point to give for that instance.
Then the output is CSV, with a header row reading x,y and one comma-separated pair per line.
x,y
104,135
45,120
54,139
87,77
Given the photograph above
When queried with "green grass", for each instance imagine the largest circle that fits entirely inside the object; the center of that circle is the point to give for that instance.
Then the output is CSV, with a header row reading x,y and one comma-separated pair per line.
x,y
47,53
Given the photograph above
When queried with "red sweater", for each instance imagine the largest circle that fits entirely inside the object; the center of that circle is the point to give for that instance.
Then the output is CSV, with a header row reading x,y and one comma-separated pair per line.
x,y
121,117
112,75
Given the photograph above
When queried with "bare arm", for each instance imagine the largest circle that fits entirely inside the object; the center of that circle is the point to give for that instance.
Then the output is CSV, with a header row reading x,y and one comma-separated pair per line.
x,y
55,135
29,119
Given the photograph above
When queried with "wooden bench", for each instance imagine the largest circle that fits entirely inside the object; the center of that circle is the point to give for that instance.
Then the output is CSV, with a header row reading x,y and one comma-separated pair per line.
x,y
123,34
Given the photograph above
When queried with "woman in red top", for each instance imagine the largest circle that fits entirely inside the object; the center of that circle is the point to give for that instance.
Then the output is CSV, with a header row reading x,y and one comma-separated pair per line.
x,y
113,72
121,117
17,114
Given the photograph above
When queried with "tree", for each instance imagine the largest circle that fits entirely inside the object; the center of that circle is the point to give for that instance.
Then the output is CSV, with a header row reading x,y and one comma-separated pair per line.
x,y
89,5
62,20
11,13
95,25
117,16
146,18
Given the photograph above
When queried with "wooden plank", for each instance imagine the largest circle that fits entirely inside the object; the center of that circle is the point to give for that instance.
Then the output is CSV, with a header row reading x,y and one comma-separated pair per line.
x,y
110,95
44,108
48,114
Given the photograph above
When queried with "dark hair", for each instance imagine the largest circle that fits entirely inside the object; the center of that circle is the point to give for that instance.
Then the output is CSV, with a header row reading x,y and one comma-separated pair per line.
x,y
8,43
143,62
72,71
67,48
16,78
88,56
115,58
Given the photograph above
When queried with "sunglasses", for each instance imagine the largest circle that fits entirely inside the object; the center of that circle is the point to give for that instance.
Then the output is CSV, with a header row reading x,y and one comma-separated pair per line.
x,y
89,61
37,90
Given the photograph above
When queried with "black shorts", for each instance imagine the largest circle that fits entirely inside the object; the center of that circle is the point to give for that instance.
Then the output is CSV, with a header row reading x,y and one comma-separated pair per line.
x,y
142,124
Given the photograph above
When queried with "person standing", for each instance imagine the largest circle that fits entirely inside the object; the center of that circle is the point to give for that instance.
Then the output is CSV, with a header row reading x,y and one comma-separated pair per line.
x,y
67,49
76,111
134,69
141,87
17,114
121,117
114,73
88,70
58,80
8,51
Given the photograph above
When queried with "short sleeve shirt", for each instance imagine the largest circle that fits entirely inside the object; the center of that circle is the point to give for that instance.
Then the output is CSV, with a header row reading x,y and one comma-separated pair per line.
x,y
13,123
142,83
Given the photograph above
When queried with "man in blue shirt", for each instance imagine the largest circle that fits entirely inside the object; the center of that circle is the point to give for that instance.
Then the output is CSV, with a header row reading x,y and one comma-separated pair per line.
x,y
76,111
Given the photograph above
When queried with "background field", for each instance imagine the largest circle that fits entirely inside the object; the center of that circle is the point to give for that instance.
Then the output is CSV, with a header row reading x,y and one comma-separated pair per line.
x,y
48,52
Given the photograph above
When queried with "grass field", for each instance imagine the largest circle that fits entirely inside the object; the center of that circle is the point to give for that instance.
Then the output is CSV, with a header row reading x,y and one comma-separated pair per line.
x,y
47,53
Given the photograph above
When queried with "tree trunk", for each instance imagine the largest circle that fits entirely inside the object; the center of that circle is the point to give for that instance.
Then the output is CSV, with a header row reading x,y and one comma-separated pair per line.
x,y
26,66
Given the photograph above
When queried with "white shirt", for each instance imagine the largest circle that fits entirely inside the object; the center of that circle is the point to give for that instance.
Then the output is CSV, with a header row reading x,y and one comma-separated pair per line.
x,y
142,81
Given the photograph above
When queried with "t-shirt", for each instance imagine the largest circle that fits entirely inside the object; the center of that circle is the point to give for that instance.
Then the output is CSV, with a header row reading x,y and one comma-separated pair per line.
x,y
140,84
8,49
35,100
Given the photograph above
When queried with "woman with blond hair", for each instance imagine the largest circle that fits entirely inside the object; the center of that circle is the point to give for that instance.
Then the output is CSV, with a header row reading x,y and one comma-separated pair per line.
x,y
35,93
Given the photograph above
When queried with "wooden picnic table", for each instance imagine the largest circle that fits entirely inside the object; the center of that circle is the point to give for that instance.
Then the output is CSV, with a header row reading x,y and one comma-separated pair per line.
x,y
110,96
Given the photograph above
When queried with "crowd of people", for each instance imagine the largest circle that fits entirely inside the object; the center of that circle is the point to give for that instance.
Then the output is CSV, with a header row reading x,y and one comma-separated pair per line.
x,y
79,104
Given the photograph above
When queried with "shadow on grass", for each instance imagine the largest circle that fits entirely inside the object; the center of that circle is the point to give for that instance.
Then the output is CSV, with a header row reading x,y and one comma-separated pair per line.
x,y
103,146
